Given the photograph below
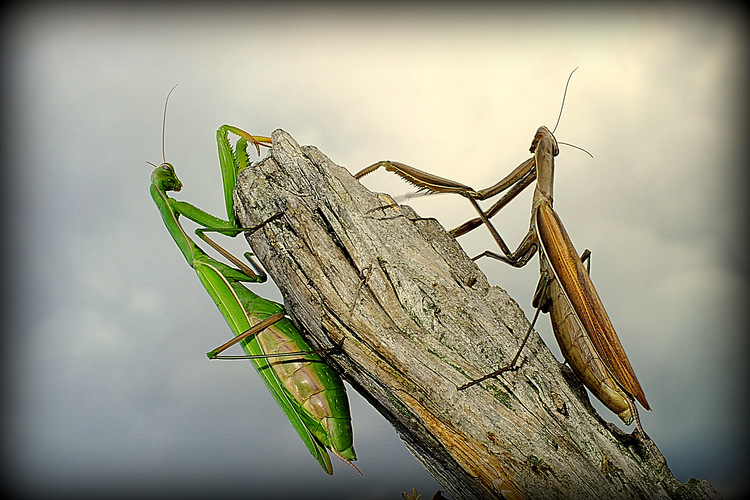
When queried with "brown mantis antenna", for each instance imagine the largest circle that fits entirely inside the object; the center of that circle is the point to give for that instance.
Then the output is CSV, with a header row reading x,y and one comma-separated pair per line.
x,y
559,116
562,105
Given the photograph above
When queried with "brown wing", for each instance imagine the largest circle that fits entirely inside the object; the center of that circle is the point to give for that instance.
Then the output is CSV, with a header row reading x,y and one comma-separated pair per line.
x,y
577,285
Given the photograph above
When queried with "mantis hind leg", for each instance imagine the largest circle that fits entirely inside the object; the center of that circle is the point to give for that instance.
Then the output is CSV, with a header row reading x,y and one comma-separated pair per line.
x,y
586,259
254,330
544,281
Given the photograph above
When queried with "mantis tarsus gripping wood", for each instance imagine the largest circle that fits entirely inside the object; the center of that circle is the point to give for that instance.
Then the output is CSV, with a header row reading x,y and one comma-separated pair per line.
x,y
583,330
309,392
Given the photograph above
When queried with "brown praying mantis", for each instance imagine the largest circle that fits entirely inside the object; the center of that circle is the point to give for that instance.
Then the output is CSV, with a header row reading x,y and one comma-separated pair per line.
x,y
581,325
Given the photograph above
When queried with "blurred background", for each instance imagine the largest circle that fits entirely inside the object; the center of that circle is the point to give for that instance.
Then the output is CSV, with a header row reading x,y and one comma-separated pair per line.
x,y
107,387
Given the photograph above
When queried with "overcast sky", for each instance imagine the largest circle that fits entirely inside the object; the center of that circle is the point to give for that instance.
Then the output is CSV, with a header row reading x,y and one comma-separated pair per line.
x,y
107,381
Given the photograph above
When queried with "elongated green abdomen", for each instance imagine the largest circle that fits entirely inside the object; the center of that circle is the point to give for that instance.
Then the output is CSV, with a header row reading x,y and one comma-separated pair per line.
x,y
314,386
304,386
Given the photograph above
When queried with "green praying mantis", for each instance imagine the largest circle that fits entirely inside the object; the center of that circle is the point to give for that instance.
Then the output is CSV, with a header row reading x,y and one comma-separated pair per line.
x,y
581,325
309,392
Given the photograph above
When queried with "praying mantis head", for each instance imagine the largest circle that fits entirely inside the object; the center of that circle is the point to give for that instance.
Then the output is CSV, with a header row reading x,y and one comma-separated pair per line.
x,y
165,178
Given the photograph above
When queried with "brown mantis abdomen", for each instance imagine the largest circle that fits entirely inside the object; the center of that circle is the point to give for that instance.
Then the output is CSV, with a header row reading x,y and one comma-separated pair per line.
x,y
579,352
579,323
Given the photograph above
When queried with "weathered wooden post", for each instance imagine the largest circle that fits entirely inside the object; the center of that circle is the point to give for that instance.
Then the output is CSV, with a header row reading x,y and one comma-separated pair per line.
x,y
418,319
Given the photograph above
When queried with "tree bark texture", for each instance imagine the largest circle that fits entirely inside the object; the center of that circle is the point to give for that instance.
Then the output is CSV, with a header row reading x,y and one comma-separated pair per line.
x,y
418,319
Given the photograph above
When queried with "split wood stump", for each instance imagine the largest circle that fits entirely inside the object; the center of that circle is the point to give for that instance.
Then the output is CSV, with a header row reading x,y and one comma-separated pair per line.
x,y
418,319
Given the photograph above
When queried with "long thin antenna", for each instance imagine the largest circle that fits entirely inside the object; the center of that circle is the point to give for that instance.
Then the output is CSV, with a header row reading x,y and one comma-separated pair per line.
x,y
164,123
563,99
577,147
